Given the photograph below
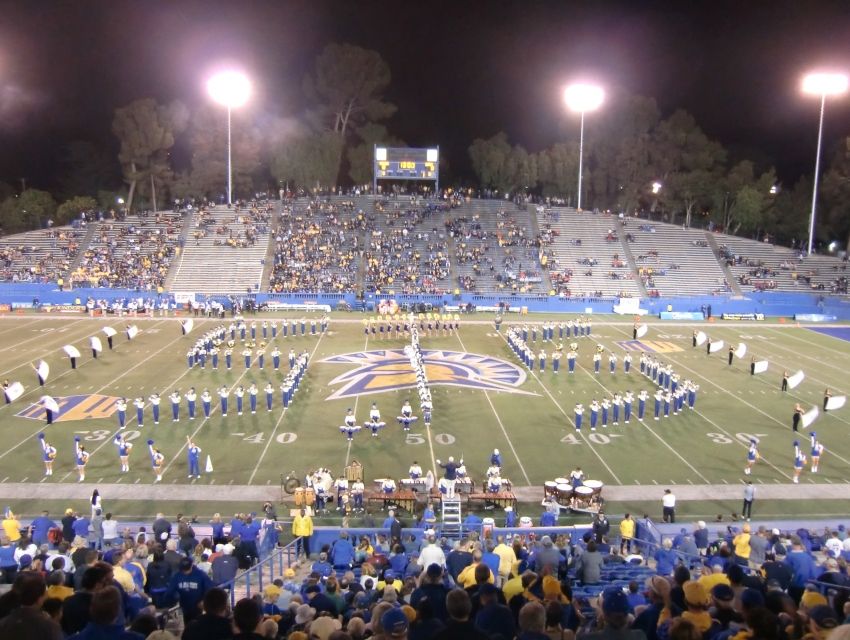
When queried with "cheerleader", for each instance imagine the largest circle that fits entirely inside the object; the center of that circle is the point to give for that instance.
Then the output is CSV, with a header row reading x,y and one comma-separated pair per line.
x,y
157,460
799,462
154,399
121,408
124,449
81,458
817,450
752,456
48,454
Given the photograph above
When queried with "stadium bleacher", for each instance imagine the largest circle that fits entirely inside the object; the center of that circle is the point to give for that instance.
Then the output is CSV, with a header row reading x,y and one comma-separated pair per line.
x,y
39,256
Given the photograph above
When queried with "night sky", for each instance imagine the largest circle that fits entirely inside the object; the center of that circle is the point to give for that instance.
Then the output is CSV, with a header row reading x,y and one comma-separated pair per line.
x,y
460,69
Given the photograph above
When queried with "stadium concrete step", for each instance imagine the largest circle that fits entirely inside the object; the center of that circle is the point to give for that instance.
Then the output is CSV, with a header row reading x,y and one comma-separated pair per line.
x,y
181,244
730,278
85,241
630,257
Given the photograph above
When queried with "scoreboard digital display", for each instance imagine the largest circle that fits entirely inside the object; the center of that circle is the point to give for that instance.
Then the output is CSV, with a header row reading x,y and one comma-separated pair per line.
x,y
395,163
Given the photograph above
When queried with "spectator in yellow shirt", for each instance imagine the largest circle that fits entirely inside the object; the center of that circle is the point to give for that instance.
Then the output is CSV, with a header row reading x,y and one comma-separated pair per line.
x,y
742,546
627,534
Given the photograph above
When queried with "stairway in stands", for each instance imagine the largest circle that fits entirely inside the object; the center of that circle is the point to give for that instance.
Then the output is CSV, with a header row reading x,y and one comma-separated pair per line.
x,y
209,266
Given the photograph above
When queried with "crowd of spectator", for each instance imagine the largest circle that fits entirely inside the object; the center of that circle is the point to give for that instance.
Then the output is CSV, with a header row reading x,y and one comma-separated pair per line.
x,y
41,256
316,248
134,253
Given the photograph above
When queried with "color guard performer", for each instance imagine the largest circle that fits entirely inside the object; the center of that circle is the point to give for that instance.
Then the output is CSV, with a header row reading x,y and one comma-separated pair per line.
x,y
827,394
784,381
797,418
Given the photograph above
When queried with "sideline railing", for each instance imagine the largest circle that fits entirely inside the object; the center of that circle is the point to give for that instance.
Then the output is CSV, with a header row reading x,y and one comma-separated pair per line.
x,y
264,572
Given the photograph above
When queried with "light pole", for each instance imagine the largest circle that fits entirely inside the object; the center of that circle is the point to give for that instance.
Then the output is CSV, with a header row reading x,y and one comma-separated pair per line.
x,y
821,85
580,98
231,89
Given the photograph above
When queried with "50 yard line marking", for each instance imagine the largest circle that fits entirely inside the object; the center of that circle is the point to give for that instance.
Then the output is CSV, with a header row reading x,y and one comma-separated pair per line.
x,y
277,424
498,419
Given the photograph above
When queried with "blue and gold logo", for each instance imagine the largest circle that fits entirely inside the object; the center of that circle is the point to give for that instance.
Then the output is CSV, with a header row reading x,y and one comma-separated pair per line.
x,y
71,408
390,370
649,346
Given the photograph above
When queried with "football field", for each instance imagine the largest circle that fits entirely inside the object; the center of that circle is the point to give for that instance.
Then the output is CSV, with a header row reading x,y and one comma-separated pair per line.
x,y
484,398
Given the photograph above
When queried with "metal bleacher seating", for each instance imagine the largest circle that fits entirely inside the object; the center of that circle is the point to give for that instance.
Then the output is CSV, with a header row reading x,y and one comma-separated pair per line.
x,y
39,256
590,246
220,255
133,252
494,246
680,259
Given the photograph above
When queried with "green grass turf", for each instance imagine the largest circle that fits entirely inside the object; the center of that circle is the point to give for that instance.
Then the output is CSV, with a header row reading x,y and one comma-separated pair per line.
x,y
533,430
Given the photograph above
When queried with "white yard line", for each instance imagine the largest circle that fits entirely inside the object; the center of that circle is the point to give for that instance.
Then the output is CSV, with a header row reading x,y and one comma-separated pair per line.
x,y
356,401
567,416
277,424
499,420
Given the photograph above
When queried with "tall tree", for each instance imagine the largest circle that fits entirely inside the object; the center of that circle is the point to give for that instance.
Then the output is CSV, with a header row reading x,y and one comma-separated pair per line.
x,y
490,159
30,210
147,131
311,161
72,208
742,198
360,166
834,215
208,145
557,169
87,169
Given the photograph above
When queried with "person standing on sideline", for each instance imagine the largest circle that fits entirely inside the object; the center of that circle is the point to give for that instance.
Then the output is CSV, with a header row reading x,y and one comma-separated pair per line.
x,y
668,503
749,495
302,528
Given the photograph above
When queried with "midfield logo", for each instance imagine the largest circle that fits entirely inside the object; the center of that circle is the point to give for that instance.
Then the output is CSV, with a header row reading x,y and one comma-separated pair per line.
x,y
389,370
649,346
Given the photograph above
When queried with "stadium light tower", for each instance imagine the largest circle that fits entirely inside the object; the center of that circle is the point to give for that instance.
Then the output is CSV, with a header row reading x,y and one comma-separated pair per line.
x,y
822,85
580,98
230,89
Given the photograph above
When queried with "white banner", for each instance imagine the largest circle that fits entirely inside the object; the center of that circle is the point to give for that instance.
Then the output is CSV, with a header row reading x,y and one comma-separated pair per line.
x,y
182,297
716,346
795,380
760,366
835,402
187,325
71,350
810,416
741,351
50,404
641,330
14,391
109,331
701,338
43,370
132,332
96,345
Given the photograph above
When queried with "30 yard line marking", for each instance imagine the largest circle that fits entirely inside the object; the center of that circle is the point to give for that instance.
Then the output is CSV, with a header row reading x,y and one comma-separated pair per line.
x,y
499,420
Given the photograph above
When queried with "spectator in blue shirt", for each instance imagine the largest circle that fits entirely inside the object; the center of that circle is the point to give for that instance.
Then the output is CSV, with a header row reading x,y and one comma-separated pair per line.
x,y
322,567
342,552
81,527
802,565
189,586
39,528
666,558
249,533
105,623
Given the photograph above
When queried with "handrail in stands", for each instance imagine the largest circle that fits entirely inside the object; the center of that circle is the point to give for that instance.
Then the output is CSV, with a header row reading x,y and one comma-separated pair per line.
x,y
277,562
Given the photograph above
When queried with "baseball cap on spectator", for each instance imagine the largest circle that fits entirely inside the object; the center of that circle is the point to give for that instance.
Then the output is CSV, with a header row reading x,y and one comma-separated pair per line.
x,y
388,574
824,616
322,628
25,561
410,612
775,531
615,601
722,593
695,594
289,573
394,623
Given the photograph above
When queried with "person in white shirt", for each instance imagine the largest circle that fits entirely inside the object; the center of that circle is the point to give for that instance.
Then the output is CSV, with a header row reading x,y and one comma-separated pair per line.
x,y
668,502
110,530
833,545
431,554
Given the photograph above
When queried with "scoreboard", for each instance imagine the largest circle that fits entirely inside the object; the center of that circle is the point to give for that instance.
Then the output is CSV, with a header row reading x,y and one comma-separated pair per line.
x,y
396,163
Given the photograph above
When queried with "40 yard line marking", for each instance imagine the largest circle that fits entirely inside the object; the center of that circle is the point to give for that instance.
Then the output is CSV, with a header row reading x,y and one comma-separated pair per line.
x,y
279,420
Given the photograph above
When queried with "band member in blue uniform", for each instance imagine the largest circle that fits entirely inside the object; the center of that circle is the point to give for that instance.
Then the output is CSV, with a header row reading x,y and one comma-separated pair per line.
x,y
228,358
276,358
239,393
605,405
247,353
642,398
269,389
261,356
612,363
121,409
594,414
223,394
191,397
556,359
627,362
571,360
252,397
291,358
616,403
579,412
139,403
659,397
628,398
597,361
206,402
175,399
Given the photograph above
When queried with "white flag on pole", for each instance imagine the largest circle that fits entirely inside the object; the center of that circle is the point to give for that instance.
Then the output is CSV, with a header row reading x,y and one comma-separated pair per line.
x,y
187,325
701,338
760,366
95,343
109,332
13,392
641,330
43,371
132,331
50,404
71,351
809,417
716,346
741,351
835,402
